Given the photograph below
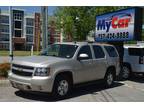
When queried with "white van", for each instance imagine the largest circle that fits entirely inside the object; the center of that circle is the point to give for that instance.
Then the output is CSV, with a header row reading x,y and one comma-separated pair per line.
x,y
133,60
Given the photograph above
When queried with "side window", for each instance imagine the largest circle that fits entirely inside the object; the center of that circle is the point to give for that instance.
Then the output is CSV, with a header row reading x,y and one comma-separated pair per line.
x,y
135,51
98,51
111,51
85,50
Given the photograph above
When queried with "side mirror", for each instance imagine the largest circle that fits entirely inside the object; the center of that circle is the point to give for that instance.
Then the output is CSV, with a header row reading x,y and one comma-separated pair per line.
x,y
83,57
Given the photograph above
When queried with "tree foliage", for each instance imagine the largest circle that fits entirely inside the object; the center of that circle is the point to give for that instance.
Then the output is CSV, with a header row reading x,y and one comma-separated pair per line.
x,y
77,22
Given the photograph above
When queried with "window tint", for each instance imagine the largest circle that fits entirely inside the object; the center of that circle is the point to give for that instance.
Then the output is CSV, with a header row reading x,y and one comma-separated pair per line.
x,y
111,51
98,52
85,50
136,51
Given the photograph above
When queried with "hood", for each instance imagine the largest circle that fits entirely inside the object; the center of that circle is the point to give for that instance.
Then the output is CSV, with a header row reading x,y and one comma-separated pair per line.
x,y
40,60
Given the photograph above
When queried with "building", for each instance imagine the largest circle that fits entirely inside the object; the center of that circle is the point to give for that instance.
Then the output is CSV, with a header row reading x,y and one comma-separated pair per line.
x,y
37,38
29,31
22,30
53,33
26,30
4,31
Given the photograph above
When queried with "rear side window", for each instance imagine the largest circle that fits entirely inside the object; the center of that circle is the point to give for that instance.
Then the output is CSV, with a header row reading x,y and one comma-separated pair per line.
x,y
111,51
136,51
98,51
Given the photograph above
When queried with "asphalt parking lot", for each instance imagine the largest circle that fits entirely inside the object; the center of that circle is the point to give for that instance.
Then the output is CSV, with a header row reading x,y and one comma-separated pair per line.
x,y
122,91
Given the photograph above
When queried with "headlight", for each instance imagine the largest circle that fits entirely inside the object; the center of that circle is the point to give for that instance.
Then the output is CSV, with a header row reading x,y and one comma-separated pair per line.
x,y
42,72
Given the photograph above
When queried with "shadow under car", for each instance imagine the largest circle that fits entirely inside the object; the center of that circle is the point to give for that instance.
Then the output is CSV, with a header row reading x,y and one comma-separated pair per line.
x,y
77,91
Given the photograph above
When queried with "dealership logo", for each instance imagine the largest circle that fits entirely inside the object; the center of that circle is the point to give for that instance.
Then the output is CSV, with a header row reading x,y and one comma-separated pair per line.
x,y
116,21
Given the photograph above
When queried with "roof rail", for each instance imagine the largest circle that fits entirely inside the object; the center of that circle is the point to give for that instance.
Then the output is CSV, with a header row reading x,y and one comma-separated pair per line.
x,y
75,42
90,41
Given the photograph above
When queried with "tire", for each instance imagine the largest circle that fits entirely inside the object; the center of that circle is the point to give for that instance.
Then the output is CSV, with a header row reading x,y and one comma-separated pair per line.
x,y
143,75
125,72
109,78
62,86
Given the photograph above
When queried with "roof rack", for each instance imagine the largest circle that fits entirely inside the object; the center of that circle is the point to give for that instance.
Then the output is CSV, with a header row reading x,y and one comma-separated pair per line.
x,y
90,41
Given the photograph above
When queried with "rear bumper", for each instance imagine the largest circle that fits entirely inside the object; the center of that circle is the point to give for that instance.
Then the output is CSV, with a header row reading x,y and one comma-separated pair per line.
x,y
40,84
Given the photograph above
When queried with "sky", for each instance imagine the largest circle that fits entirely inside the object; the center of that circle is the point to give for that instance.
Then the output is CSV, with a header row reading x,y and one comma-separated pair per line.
x,y
31,9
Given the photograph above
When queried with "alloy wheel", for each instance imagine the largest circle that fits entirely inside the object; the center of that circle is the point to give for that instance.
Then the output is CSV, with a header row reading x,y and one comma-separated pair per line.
x,y
110,79
62,88
126,72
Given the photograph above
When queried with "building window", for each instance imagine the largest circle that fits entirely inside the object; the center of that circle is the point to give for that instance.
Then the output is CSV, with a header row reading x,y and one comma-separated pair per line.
x,y
4,37
4,19
18,24
4,28
4,46
17,33
29,30
29,38
18,16
28,47
29,21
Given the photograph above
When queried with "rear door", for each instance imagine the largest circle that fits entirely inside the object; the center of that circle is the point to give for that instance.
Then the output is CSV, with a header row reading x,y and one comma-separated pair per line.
x,y
113,56
99,62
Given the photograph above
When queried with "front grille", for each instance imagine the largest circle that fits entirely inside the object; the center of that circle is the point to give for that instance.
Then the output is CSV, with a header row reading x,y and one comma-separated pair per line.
x,y
22,66
21,73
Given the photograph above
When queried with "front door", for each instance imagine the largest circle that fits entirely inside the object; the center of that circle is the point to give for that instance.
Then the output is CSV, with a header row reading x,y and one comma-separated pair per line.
x,y
83,67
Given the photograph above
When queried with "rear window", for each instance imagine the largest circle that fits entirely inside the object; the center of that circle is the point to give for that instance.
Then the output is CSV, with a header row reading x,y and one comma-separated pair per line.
x,y
136,51
111,51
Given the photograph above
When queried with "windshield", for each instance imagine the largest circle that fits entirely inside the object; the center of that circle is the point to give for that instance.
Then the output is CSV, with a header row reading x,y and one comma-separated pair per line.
x,y
60,50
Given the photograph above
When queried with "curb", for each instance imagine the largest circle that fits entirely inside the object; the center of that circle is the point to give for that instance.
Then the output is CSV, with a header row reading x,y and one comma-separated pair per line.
x,y
4,83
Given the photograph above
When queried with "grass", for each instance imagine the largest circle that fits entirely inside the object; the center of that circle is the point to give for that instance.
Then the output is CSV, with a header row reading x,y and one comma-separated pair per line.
x,y
18,53
4,67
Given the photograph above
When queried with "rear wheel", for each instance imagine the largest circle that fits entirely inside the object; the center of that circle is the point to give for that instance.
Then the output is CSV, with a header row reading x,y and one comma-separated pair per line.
x,y
109,78
125,72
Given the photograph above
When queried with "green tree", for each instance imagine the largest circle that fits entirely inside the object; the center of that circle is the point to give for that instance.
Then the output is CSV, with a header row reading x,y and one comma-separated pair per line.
x,y
64,19
77,22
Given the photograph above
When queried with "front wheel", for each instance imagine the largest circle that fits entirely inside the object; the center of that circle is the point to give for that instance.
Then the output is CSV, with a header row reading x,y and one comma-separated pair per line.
x,y
62,87
109,78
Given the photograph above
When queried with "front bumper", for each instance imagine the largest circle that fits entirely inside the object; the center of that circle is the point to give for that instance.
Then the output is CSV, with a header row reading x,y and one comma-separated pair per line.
x,y
40,84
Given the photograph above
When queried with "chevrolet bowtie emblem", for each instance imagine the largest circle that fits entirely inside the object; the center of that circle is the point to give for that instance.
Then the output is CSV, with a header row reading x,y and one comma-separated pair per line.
x,y
20,69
